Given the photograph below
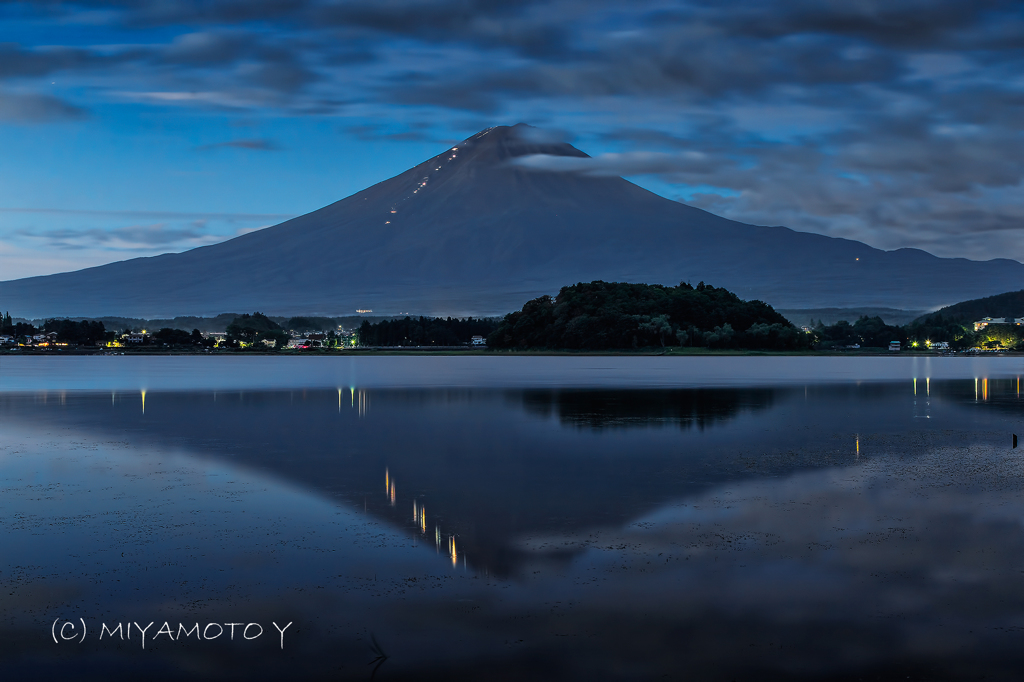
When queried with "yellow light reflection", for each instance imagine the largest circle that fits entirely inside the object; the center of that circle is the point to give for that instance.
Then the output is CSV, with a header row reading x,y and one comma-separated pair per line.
x,y
392,493
915,385
387,481
984,389
928,386
423,519
415,513
455,556
143,402
857,445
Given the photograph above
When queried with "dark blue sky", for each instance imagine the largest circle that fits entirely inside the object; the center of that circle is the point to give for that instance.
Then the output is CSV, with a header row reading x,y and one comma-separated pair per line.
x,y
133,128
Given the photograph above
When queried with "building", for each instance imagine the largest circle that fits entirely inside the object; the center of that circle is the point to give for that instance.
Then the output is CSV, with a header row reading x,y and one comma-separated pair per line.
x,y
477,340
938,345
894,346
986,321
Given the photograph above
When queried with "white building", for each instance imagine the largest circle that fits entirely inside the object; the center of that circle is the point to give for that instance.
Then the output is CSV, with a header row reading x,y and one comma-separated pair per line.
x,y
478,341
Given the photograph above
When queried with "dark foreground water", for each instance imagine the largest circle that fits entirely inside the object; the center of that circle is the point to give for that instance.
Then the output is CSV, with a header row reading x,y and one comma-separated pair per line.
x,y
511,518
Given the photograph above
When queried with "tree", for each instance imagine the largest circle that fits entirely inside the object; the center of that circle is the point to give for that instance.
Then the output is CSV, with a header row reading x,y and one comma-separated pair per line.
x,y
602,315
252,329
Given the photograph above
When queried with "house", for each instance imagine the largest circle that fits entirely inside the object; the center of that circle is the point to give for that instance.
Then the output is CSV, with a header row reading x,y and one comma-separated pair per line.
x,y
939,345
5,339
894,346
478,340
986,321
135,337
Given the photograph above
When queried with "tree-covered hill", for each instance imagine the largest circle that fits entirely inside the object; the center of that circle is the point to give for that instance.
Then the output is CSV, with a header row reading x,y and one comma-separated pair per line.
x,y
606,315
1010,304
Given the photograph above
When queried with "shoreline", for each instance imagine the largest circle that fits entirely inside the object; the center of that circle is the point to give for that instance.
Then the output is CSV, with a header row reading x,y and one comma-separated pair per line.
x,y
448,351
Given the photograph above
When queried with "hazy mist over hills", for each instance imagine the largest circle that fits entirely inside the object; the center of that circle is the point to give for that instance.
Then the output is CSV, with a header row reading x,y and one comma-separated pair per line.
x,y
489,224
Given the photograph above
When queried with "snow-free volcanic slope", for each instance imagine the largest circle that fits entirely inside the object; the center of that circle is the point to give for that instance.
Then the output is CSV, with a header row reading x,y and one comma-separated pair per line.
x,y
471,232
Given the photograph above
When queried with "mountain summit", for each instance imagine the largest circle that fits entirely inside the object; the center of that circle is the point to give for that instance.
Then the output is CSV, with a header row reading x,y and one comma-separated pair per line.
x,y
471,231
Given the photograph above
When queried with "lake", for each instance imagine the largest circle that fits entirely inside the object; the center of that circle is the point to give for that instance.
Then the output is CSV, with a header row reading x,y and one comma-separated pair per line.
x,y
513,517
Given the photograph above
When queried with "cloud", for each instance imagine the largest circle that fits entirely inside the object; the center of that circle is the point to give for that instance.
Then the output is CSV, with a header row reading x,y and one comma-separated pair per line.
x,y
415,132
154,237
37,108
256,145
899,122
606,165
177,215
131,237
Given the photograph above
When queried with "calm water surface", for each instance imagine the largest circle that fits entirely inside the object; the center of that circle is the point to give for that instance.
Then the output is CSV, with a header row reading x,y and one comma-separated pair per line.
x,y
512,518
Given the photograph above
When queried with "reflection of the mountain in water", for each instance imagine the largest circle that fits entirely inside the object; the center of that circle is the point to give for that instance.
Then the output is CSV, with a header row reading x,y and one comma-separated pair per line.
x,y
481,468
686,408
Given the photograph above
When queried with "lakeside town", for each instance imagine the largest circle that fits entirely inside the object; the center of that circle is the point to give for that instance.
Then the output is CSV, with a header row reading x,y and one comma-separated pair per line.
x,y
991,335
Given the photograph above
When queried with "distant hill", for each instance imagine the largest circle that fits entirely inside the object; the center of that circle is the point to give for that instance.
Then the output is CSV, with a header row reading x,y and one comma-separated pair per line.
x,y
471,231
1010,304
828,316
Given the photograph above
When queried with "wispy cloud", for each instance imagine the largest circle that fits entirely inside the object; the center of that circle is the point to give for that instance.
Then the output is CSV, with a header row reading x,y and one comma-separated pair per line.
x,y
256,145
37,108
151,214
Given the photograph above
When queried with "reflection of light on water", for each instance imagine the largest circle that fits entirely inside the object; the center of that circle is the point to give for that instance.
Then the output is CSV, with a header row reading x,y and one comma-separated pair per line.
x,y
143,402
419,519
353,391
928,386
857,446
984,389
915,385
339,401
975,389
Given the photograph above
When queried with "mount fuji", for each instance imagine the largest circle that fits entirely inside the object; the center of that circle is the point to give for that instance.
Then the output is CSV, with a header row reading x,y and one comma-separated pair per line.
x,y
474,231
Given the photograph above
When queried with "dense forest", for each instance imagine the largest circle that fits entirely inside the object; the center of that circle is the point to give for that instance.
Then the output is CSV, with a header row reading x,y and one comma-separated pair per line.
x,y
425,331
1010,304
604,315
